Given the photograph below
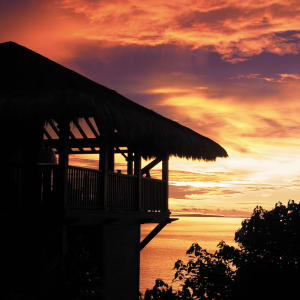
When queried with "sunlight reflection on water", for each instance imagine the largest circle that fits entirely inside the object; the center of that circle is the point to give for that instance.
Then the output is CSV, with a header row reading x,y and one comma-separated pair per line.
x,y
159,256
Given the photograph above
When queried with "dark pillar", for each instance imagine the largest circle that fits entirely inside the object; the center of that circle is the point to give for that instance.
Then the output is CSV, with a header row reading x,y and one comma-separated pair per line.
x,y
111,158
63,160
138,174
165,178
106,165
56,240
121,259
129,162
103,167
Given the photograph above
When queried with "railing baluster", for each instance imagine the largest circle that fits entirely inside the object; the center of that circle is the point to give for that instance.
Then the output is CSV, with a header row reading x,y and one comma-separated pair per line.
x,y
83,189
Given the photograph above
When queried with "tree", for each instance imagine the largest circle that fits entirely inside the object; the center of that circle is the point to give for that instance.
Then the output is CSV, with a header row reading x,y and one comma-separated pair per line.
x,y
160,291
269,254
205,275
265,265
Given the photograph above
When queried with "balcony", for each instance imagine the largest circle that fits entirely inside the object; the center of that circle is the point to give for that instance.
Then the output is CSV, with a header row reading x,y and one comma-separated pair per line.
x,y
85,189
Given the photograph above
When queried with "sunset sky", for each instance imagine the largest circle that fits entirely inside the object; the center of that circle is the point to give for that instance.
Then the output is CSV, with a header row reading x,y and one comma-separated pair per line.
x,y
228,69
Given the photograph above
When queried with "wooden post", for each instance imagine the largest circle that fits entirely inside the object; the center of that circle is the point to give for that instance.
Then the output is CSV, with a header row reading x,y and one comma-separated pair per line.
x,y
106,165
103,167
138,174
63,160
165,178
121,259
62,194
111,158
160,226
129,162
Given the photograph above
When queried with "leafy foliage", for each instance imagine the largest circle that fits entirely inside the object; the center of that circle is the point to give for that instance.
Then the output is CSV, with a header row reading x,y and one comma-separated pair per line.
x,y
264,266
160,291
206,275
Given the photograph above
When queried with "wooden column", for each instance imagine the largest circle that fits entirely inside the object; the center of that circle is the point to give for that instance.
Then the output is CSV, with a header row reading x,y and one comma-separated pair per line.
x,y
138,174
121,259
106,160
129,162
61,197
111,158
103,168
63,161
106,165
165,178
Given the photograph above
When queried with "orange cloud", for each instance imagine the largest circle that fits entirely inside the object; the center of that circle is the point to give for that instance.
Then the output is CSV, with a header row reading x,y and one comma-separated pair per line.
x,y
195,211
279,78
235,29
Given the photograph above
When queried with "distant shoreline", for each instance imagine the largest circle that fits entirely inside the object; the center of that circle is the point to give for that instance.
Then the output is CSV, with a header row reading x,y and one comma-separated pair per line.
x,y
206,216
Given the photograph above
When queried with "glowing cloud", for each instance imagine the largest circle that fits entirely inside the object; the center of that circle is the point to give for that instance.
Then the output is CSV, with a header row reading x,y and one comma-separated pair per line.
x,y
235,29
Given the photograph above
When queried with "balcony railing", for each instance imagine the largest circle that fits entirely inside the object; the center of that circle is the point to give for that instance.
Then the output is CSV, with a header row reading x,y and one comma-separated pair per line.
x,y
84,189
154,194
122,192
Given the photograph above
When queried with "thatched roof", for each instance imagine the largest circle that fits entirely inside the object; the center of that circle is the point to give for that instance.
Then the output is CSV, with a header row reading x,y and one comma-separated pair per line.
x,y
34,87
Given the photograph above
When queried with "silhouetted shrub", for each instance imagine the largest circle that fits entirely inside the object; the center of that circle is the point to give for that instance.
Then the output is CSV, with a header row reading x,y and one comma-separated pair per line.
x,y
264,266
160,291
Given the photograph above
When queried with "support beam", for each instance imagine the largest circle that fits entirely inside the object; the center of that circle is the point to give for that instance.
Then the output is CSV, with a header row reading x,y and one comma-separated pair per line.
x,y
74,138
81,131
47,134
106,165
84,143
152,164
138,174
122,152
111,158
130,162
63,158
55,143
120,262
165,178
91,127
155,232
103,167
62,192
72,151
96,151
51,123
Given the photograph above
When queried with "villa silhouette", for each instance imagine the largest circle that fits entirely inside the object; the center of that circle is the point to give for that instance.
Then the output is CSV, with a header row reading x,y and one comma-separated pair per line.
x,y
49,208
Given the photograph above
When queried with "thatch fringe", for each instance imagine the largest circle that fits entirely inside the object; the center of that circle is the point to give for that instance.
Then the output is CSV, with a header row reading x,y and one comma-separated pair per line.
x,y
36,88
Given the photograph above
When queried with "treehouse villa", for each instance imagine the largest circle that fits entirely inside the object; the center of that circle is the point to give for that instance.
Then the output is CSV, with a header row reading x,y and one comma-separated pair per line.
x,y
52,213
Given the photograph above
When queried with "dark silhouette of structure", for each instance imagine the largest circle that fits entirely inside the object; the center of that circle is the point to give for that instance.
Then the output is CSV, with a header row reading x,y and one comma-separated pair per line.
x,y
63,227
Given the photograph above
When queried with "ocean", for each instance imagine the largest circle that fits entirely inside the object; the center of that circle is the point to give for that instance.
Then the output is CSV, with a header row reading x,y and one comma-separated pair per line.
x,y
159,256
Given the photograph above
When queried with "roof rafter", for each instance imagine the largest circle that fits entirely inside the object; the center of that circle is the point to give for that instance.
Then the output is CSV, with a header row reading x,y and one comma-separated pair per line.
x,y
81,131
91,127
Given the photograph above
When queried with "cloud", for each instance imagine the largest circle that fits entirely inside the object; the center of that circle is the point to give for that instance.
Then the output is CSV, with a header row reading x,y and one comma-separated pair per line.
x,y
234,29
86,161
184,176
240,213
199,194
278,78
91,161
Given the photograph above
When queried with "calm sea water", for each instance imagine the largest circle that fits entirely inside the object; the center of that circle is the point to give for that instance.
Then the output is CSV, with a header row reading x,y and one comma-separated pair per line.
x,y
159,256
